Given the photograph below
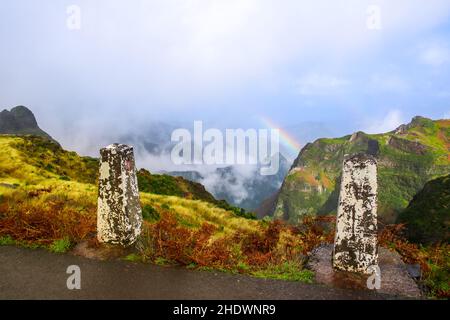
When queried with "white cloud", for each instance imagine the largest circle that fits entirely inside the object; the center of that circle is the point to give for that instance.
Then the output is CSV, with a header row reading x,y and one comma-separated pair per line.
x,y
171,58
232,183
320,84
435,55
391,121
447,115
188,47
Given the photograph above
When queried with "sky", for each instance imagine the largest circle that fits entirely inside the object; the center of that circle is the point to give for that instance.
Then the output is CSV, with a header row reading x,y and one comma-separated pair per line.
x,y
96,67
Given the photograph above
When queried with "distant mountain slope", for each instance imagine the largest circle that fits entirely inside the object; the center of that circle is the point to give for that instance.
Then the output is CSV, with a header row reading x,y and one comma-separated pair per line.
x,y
267,206
20,121
408,157
427,217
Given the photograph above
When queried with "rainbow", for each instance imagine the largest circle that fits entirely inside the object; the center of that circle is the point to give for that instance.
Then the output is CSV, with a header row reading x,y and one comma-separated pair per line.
x,y
286,139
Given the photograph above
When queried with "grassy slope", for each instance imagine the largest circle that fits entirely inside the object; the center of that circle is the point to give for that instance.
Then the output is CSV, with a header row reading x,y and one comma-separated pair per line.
x,y
36,165
405,165
48,198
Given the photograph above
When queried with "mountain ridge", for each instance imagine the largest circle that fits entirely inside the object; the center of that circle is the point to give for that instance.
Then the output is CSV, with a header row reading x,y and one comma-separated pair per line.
x,y
408,157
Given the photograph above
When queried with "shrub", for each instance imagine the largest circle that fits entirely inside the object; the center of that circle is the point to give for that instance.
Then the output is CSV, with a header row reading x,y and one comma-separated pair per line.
x,y
291,271
158,184
149,213
6,241
60,245
133,257
29,220
239,212
434,260
269,252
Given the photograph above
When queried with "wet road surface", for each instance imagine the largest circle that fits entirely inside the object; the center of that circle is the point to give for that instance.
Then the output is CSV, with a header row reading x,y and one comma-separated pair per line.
x,y
39,274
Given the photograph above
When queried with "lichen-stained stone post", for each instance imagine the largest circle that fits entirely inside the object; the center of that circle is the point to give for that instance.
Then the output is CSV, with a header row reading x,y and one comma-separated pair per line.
x,y
355,245
119,215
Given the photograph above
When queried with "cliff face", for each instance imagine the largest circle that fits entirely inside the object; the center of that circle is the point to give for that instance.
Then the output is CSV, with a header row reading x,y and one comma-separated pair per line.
x,y
407,158
20,121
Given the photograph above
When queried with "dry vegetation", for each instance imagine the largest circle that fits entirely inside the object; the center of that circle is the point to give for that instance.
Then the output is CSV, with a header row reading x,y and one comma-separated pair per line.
x,y
434,260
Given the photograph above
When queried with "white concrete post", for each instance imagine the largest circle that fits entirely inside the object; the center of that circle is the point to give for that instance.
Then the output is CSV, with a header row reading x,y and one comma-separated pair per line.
x,y
355,245
119,216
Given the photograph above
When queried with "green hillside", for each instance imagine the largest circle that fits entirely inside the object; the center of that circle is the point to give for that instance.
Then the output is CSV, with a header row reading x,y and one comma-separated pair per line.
x,y
407,158
427,217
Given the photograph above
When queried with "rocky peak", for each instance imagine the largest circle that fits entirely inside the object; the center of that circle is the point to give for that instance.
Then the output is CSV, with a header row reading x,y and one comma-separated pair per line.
x,y
20,121
24,117
402,129
357,136
416,122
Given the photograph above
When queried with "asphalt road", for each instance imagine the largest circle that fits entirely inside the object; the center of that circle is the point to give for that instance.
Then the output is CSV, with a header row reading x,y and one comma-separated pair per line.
x,y
39,274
